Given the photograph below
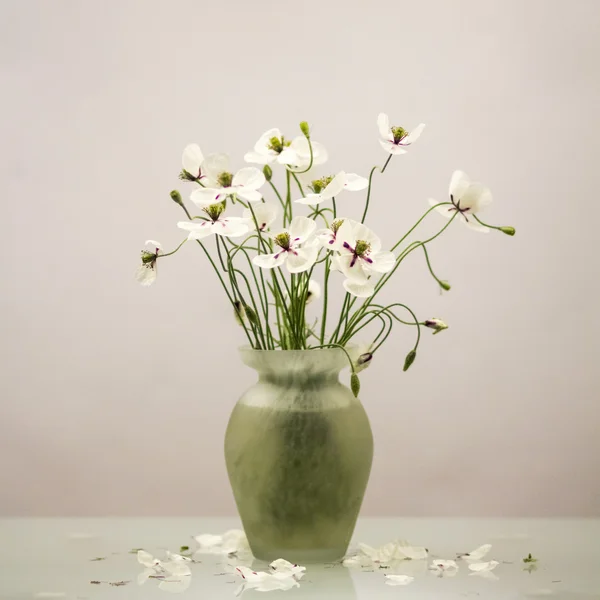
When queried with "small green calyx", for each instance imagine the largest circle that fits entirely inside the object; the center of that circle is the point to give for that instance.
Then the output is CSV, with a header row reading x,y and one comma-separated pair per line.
x,y
409,360
185,176
336,225
214,211
399,134
318,185
362,248
283,240
225,179
507,230
148,257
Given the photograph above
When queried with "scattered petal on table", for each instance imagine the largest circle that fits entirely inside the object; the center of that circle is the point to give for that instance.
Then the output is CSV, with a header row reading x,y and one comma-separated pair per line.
x,y
398,579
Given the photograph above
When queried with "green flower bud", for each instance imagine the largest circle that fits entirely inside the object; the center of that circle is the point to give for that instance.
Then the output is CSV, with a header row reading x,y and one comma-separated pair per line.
x,y
176,197
238,312
445,285
251,314
267,172
355,384
305,129
508,230
410,359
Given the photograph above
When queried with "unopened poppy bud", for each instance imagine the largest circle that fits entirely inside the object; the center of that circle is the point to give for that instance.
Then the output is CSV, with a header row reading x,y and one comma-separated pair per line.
x,y
176,197
305,129
363,361
251,314
238,312
410,359
507,230
267,172
355,384
445,285
436,324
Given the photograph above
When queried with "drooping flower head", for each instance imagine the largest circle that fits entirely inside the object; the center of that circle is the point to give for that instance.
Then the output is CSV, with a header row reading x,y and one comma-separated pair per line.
x,y
467,198
146,272
192,160
295,248
395,139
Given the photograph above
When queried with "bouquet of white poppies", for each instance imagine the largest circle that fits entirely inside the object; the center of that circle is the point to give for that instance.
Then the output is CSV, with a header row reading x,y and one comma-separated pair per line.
x,y
272,263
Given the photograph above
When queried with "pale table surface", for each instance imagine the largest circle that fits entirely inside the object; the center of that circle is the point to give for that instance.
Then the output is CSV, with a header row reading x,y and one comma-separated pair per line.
x,y
53,558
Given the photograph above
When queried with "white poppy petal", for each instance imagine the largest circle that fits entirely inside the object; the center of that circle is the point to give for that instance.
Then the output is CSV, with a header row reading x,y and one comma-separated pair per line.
x,y
287,156
414,135
302,260
446,210
391,147
345,237
192,159
335,264
215,164
249,195
145,558
413,552
310,199
175,585
146,274
362,232
484,566
301,228
259,159
335,186
302,149
270,261
230,227
361,290
203,197
266,214
249,177
478,553
383,124
353,268
320,155
156,246
313,292
208,540
399,579
383,262
355,183
476,197
264,141
459,183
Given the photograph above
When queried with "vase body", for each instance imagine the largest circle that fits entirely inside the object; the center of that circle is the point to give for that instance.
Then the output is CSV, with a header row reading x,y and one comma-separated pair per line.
x,y
298,450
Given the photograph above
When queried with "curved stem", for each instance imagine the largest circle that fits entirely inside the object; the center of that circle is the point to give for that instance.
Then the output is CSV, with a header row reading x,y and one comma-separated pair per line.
x,y
382,169
173,251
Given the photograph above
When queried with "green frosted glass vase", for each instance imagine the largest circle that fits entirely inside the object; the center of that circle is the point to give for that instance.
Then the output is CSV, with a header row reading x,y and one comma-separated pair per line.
x,y
298,450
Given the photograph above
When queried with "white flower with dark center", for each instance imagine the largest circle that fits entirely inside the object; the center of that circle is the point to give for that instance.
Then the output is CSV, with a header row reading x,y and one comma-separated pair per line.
x,y
295,248
398,579
146,272
328,237
266,214
272,147
394,139
467,199
444,568
314,291
215,223
221,182
330,186
192,160
360,258
436,324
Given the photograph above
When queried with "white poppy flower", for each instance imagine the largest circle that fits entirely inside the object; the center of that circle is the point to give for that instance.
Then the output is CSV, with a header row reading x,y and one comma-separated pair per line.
x,y
361,356
272,147
301,147
266,214
216,223
327,237
329,187
477,554
222,183
444,568
192,160
393,139
467,198
296,249
360,257
146,272
399,579
314,291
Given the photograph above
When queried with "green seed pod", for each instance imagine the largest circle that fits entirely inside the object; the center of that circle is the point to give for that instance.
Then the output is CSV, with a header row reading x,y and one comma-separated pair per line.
x,y
355,384
508,230
251,314
176,197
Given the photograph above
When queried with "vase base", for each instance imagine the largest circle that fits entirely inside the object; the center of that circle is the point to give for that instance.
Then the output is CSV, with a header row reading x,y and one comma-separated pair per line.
x,y
301,556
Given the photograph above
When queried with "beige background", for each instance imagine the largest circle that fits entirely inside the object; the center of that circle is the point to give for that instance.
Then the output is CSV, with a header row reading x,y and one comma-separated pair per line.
x,y
115,398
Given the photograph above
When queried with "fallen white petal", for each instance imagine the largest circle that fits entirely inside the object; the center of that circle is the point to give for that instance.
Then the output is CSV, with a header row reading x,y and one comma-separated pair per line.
x,y
399,579
478,553
484,566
